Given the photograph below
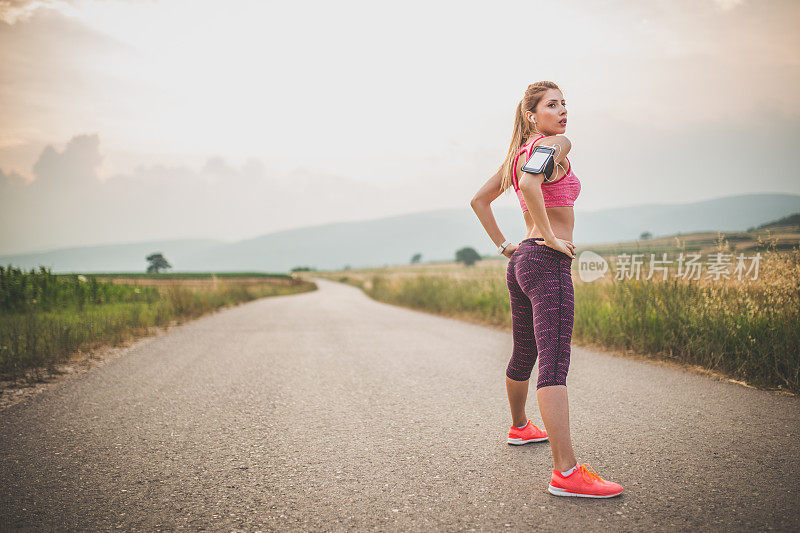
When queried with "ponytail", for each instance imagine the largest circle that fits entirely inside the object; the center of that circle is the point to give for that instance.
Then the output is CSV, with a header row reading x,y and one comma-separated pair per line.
x,y
522,128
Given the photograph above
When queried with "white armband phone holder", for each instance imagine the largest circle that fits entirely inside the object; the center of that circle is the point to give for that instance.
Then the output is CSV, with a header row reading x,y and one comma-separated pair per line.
x,y
542,161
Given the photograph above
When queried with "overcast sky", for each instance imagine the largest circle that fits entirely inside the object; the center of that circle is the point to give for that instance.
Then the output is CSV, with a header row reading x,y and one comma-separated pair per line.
x,y
125,121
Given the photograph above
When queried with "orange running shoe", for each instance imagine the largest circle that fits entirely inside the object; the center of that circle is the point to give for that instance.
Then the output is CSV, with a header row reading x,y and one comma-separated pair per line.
x,y
530,433
582,482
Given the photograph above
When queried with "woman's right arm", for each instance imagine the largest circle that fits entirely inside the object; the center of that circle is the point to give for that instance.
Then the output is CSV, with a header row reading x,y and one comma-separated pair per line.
x,y
562,145
531,186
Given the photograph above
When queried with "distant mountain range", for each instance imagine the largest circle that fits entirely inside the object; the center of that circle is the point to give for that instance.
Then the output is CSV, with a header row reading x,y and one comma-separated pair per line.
x,y
394,240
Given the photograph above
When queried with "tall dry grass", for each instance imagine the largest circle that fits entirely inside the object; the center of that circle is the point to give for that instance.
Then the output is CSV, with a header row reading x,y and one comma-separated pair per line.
x,y
748,329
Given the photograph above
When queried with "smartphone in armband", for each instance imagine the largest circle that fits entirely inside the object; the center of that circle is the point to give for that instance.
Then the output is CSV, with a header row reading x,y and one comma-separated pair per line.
x,y
541,162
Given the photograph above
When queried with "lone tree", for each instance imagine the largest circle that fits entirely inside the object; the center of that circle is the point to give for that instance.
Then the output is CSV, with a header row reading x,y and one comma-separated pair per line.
x,y
157,263
468,256
415,258
646,235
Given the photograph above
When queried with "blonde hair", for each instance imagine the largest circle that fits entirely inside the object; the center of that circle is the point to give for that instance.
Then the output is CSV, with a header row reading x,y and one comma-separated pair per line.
x,y
523,128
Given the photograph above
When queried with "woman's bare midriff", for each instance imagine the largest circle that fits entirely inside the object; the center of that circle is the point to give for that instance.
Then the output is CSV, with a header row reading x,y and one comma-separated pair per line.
x,y
562,218
562,221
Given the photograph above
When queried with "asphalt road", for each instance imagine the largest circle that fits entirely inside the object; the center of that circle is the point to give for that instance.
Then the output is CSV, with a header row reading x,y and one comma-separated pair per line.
x,y
330,411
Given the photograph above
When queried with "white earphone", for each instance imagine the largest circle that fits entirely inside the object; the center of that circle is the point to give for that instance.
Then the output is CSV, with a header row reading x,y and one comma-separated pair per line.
x,y
558,146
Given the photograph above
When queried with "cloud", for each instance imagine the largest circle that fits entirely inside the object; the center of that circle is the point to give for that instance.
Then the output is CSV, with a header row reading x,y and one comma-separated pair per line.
x,y
13,11
68,202
183,93
78,162
11,178
727,5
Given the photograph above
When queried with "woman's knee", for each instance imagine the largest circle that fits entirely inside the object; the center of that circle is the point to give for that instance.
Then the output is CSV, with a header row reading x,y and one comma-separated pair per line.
x,y
554,370
550,382
519,368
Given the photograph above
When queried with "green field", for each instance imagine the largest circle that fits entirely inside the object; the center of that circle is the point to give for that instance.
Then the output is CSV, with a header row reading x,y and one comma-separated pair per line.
x,y
46,318
747,329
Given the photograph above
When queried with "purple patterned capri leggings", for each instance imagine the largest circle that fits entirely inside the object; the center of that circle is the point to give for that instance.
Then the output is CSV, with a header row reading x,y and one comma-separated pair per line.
x,y
542,297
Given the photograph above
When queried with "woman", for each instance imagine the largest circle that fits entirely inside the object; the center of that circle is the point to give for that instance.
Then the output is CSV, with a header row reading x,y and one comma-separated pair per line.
x,y
539,279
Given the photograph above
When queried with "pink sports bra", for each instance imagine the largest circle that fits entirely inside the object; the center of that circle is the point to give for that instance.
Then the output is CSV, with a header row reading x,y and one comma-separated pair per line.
x,y
559,193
